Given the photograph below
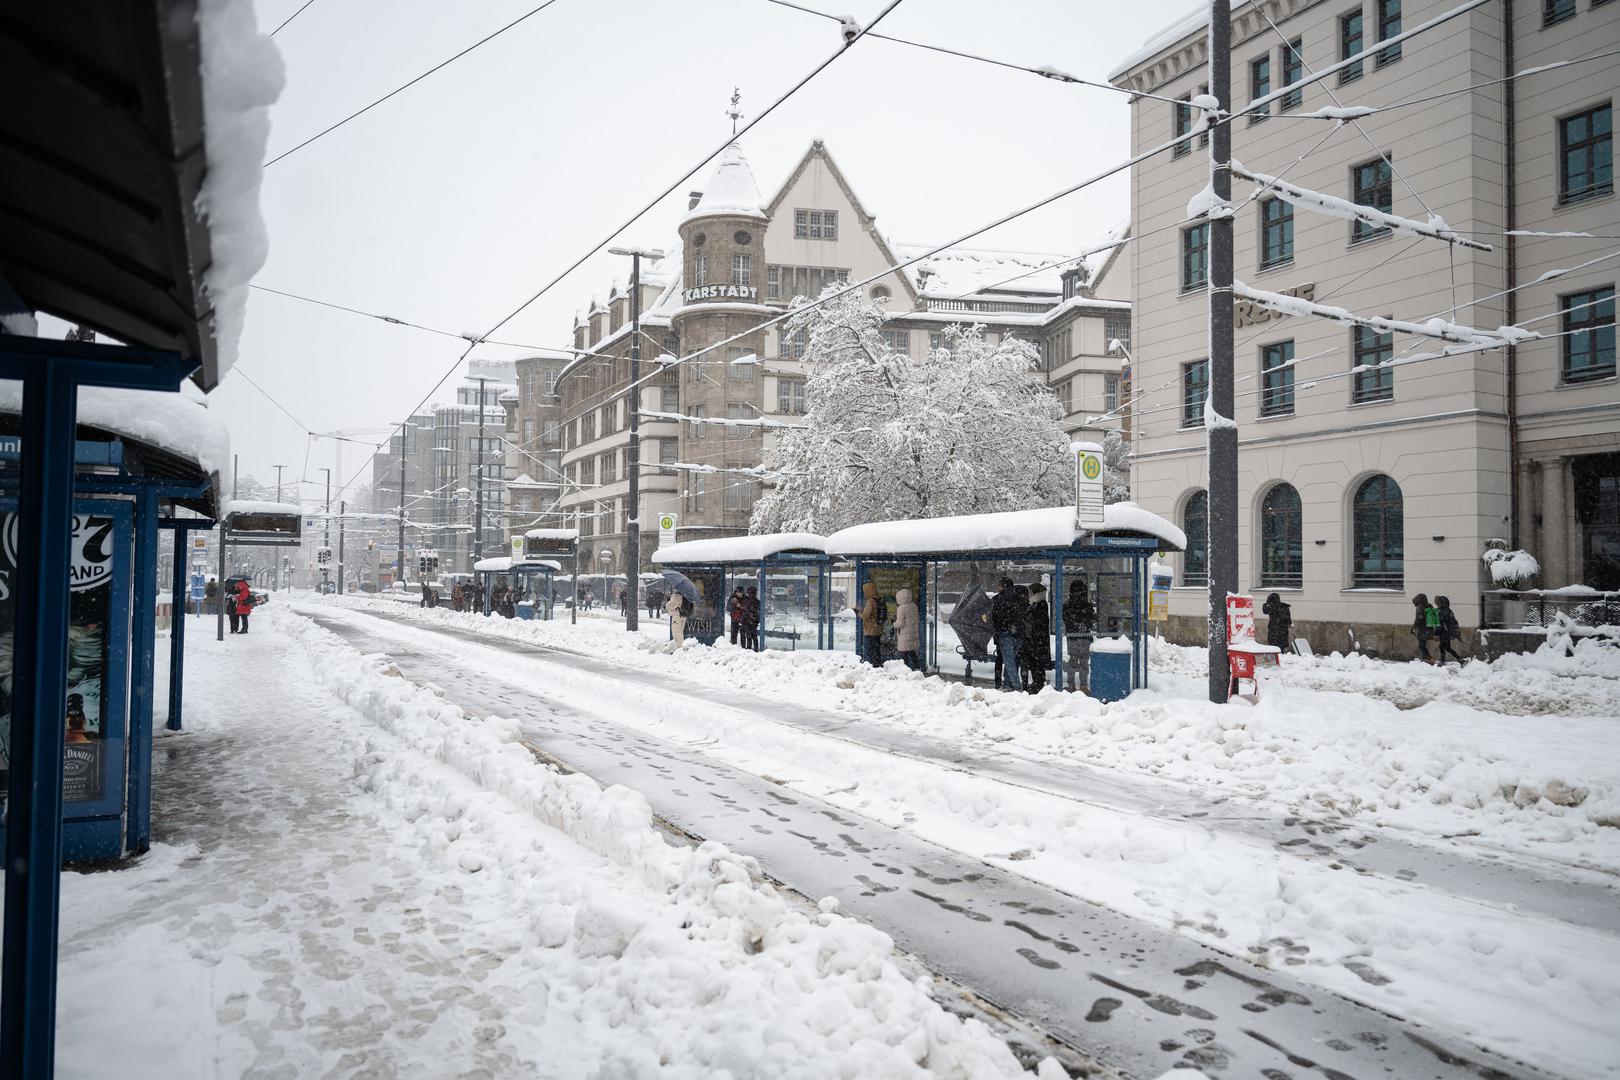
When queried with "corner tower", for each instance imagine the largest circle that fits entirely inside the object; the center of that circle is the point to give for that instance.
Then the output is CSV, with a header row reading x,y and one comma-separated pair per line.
x,y
723,272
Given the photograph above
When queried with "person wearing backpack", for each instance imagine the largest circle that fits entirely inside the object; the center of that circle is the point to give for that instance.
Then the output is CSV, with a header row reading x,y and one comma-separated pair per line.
x,y
1425,622
1448,629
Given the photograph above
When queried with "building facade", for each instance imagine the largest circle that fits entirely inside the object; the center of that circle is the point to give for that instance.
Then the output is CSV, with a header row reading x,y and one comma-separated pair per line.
x,y
534,441
1371,466
739,261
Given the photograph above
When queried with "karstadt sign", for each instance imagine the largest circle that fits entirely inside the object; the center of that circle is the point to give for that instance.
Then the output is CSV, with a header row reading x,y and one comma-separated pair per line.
x,y
721,292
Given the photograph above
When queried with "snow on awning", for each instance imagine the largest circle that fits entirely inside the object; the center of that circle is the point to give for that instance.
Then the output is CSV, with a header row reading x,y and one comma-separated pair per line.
x,y
1015,530
726,549
503,564
552,534
260,506
169,422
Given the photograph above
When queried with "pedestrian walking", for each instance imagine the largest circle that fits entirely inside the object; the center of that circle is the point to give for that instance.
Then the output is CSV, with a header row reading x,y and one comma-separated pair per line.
x,y
1425,621
871,614
734,612
906,637
241,607
1447,629
1079,627
1279,622
624,602
1007,620
1036,647
676,607
751,615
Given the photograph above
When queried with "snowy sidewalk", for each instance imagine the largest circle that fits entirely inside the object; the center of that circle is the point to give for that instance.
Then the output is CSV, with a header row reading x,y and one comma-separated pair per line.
x,y
386,887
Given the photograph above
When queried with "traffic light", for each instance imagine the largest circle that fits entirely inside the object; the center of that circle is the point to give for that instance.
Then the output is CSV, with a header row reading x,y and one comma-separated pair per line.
x,y
323,556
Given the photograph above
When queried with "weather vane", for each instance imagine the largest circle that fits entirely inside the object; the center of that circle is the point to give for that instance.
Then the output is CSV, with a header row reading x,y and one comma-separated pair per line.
x,y
734,112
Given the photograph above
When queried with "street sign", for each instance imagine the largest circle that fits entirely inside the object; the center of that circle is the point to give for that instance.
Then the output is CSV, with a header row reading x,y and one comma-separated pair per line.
x,y
1239,617
517,548
666,529
1088,485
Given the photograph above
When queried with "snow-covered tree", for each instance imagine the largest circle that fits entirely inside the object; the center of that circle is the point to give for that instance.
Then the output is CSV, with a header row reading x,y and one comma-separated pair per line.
x,y
970,430
1116,474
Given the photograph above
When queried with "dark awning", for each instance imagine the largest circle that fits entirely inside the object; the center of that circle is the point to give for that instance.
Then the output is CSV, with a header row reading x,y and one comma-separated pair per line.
x,y
101,159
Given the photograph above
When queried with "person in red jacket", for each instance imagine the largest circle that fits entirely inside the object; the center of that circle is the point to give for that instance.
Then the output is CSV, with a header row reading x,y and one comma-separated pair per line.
x,y
241,606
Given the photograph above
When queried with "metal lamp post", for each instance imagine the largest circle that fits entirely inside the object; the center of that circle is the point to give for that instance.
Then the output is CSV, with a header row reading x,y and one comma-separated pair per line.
x,y
632,543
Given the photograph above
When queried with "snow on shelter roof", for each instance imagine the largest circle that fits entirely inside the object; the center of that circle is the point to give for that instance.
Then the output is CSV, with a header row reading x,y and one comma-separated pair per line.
x,y
552,534
731,188
1015,530
503,564
261,506
165,421
724,549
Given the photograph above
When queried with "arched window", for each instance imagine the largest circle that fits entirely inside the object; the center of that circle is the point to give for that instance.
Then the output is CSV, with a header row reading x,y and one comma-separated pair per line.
x,y
1378,537
1195,522
880,292
1282,556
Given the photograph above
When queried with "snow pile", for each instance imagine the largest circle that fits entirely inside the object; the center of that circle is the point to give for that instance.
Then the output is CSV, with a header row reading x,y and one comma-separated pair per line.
x,y
242,77
961,272
1511,567
168,421
1207,204
706,970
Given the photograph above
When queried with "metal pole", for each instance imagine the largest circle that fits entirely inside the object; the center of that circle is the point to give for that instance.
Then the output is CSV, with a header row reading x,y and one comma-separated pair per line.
x,y
341,508
277,585
219,588
177,634
143,649
1221,434
573,616
632,542
478,504
236,472
326,526
399,577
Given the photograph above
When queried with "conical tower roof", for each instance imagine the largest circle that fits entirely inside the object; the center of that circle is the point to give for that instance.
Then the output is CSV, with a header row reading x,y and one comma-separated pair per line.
x,y
731,189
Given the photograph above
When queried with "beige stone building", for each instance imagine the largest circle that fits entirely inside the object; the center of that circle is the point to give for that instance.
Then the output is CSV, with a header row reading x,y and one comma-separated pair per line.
x,y
738,261
1362,482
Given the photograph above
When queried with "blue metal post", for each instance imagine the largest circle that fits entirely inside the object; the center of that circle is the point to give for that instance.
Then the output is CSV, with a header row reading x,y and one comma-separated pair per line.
x,y
40,658
177,631
143,643
759,635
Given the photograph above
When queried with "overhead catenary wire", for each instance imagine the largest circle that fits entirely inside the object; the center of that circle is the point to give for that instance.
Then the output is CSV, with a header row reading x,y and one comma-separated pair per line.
x,y
290,18
440,66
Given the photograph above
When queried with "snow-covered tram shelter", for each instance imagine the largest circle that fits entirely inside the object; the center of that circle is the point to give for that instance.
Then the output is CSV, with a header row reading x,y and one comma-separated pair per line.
x,y
950,563
520,574
791,571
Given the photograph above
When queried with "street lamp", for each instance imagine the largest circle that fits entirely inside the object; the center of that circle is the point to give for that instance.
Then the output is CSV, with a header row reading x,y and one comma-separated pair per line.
x,y
632,545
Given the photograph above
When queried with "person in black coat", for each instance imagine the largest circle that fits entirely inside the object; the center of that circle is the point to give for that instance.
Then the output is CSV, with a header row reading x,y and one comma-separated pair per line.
x,y
1036,648
1449,631
1279,622
1007,618
1079,626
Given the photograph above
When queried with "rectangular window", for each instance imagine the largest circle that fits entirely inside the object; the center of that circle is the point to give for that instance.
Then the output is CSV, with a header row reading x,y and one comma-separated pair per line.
x,y
1259,87
587,472
1350,45
790,396
1374,351
1370,185
551,381
700,270
1065,396
609,466
1195,257
1277,379
736,495
1194,392
1117,328
694,491
1293,69
667,449
671,398
792,344
587,428
740,372
815,224
1554,12
742,269
1389,24
1586,155
1276,232
773,283
1181,124
898,340
936,342
1588,335
1110,393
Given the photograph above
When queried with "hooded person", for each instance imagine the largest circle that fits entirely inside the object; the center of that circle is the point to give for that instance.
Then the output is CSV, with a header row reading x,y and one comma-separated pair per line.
x,y
871,615
677,620
1448,629
1279,622
1036,648
1425,620
734,611
906,636
1007,621
242,600
751,615
1079,627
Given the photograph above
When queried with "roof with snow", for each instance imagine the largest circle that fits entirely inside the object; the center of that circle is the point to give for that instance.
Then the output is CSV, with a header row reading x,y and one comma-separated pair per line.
x,y
503,564
731,189
967,272
131,180
1193,22
1015,530
727,549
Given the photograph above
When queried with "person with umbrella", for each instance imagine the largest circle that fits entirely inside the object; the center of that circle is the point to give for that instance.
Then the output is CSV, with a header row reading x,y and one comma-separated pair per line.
x,y
682,596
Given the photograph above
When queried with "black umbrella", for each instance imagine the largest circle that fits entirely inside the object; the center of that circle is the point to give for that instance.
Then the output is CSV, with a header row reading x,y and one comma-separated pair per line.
x,y
971,621
681,584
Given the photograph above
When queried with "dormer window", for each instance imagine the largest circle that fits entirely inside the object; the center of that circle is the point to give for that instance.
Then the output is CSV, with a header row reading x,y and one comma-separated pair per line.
x,y
815,225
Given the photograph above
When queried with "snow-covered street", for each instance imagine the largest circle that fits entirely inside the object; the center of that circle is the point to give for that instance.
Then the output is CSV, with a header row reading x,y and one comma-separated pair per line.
x,y
1378,904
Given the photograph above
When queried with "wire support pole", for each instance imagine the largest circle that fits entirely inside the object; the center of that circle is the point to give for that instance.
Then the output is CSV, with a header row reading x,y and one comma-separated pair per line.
x,y
1219,428
478,505
632,541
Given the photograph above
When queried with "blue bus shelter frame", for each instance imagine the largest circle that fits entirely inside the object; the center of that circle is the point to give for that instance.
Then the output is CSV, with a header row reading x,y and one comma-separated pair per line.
x,y
51,373
486,587
1139,550
781,560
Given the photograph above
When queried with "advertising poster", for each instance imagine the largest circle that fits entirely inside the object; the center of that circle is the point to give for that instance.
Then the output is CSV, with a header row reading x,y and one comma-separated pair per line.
x,y
889,581
707,621
85,702
1114,603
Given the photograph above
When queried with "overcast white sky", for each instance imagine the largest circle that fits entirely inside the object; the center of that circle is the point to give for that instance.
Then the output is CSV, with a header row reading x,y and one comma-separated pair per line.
x,y
456,200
